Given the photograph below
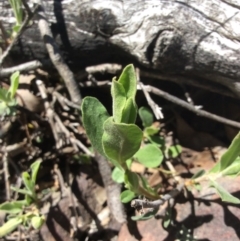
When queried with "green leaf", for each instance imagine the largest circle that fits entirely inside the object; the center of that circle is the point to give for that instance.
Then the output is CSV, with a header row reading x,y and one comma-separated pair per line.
x,y
13,207
174,151
229,156
151,130
150,156
94,114
3,95
145,216
146,116
16,28
198,174
9,226
28,182
167,218
131,181
118,175
157,140
119,100
120,141
14,84
37,222
224,194
129,113
232,170
129,81
147,187
34,168
127,196
22,191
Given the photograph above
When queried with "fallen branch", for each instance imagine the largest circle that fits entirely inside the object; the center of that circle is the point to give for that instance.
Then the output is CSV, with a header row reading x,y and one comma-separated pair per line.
x,y
57,59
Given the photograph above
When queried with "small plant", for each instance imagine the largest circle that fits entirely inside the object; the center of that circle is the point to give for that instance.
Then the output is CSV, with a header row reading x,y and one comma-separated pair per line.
x,y
18,13
23,212
118,139
8,101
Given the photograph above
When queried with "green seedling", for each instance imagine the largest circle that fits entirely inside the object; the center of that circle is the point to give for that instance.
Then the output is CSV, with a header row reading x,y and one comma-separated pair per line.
x,y
8,101
16,6
23,212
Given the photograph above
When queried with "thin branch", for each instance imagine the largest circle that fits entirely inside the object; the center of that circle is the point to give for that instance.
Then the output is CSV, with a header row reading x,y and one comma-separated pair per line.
x,y
6,175
23,27
113,189
32,65
56,57
190,107
136,203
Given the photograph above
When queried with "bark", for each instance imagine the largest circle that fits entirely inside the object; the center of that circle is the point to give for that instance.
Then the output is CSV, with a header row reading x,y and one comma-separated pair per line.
x,y
189,38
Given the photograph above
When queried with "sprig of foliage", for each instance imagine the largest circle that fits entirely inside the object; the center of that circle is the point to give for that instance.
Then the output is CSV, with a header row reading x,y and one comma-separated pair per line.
x,y
18,13
229,165
119,139
7,97
23,212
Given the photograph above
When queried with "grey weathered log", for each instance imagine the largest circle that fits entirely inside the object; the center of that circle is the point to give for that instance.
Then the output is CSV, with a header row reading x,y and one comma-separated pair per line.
x,y
188,38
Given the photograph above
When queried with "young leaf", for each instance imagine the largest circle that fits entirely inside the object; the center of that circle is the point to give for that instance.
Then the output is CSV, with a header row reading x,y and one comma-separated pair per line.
x,y
127,196
14,84
198,174
151,130
224,194
3,95
145,216
146,116
37,222
167,218
229,156
174,151
129,81
120,141
232,170
118,175
131,181
13,207
34,168
94,114
146,186
9,226
119,100
129,112
150,156
28,182
22,191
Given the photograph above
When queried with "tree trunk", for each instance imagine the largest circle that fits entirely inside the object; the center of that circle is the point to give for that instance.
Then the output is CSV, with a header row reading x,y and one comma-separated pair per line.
x,y
187,39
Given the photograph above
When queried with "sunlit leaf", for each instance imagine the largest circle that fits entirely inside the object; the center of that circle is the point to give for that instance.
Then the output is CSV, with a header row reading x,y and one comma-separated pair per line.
x,y
94,114
232,170
37,221
118,175
35,167
198,174
131,181
146,116
13,207
151,130
224,194
127,196
129,81
229,156
14,83
120,141
119,100
22,191
129,112
174,151
150,156
9,226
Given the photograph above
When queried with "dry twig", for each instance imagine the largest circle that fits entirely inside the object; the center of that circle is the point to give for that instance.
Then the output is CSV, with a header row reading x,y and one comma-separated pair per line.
x,y
56,57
